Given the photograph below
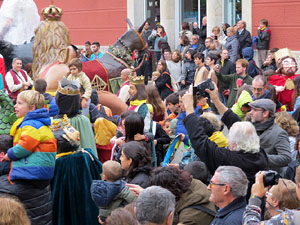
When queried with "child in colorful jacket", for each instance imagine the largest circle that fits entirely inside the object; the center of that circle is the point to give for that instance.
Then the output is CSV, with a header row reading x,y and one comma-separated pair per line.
x,y
34,151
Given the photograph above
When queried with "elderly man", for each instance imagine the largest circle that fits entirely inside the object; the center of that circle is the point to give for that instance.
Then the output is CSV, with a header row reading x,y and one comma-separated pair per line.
x,y
259,88
17,79
155,206
201,31
243,141
243,36
196,45
228,189
252,214
123,93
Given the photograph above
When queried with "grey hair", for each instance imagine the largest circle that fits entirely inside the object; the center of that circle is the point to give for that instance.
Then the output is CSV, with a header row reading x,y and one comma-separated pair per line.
x,y
196,35
213,119
243,137
15,59
235,178
154,205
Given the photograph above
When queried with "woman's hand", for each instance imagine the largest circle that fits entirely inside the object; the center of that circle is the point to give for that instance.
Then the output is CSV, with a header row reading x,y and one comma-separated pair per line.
x,y
188,101
135,189
183,82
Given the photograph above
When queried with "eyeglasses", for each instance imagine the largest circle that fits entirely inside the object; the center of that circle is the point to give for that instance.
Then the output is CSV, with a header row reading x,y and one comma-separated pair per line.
x,y
257,89
211,184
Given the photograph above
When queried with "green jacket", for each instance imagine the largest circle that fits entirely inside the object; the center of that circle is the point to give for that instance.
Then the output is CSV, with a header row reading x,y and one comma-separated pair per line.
x,y
197,194
231,81
244,98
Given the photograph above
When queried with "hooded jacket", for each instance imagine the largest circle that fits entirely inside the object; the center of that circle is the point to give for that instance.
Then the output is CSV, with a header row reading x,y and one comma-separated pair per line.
x,y
34,151
244,98
110,195
248,55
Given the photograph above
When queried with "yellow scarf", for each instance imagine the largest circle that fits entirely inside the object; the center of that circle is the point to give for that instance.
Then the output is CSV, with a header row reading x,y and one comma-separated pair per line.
x,y
219,139
137,102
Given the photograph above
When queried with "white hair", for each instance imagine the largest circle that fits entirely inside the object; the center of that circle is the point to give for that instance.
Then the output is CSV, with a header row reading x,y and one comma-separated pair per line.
x,y
243,137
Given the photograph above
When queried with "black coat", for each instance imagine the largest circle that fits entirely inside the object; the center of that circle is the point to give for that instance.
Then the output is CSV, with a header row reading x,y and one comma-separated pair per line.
x,y
141,176
201,32
214,156
227,68
162,83
34,195
244,39
263,39
162,138
191,68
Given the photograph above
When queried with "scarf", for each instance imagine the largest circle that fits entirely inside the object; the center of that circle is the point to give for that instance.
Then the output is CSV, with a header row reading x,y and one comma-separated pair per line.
x,y
261,127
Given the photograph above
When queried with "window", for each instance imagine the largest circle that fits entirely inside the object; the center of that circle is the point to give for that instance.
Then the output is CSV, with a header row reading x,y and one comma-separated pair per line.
x,y
232,11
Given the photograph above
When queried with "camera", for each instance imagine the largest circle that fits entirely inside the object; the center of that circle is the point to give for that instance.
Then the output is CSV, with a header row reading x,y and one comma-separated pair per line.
x,y
270,178
199,90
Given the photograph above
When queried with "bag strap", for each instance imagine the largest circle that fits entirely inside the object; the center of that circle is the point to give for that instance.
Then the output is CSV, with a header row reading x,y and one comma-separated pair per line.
x,y
204,209
168,86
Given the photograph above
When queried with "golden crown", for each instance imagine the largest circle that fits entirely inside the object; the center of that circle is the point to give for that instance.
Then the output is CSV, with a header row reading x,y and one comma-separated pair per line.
x,y
60,124
67,87
136,80
52,13
281,53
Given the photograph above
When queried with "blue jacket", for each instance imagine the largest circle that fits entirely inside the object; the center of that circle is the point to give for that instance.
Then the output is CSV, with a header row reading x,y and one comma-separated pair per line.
x,y
110,195
248,55
232,213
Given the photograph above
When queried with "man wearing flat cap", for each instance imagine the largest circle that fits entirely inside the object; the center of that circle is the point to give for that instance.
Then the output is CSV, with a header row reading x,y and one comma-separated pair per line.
x,y
273,139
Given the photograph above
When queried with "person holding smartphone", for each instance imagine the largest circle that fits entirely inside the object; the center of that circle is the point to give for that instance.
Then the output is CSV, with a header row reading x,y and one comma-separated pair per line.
x,y
160,39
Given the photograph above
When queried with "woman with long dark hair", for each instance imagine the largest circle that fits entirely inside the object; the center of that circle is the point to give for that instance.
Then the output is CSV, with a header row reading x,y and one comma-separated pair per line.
x,y
154,99
160,39
136,160
163,82
188,192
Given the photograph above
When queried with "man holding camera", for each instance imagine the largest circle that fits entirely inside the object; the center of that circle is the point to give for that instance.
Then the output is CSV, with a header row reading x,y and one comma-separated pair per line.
x,y
252,215
17,79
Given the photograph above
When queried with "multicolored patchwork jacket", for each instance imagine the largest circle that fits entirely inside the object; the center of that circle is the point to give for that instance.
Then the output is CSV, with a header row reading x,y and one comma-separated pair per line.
x,y
252,215
34,151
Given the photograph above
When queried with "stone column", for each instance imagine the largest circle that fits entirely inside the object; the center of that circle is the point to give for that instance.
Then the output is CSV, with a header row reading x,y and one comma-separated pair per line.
x,y
214,13
247,14
136,12
167,20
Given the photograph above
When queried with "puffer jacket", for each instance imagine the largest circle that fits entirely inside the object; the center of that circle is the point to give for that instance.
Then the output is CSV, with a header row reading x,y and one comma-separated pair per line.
x,y
244,98
110,195
34,151
263,39
34,195
197,194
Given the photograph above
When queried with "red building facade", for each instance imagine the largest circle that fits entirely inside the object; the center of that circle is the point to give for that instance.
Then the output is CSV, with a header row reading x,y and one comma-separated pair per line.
x,y
284,21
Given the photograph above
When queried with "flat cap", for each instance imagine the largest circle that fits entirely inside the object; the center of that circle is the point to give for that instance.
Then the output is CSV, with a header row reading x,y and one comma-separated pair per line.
x,y
265,104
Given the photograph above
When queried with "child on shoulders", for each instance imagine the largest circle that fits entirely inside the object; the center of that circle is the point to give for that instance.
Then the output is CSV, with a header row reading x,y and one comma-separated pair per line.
x,y
34,150
111,192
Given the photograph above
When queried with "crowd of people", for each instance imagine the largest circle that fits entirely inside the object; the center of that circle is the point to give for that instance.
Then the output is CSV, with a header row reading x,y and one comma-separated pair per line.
x,y
68,160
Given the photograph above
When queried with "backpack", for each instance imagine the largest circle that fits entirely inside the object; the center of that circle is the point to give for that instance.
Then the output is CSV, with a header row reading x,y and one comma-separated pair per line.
x,y
174,85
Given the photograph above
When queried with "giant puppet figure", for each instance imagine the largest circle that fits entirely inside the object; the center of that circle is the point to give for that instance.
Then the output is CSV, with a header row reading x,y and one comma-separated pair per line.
x,y
14,28
284,80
